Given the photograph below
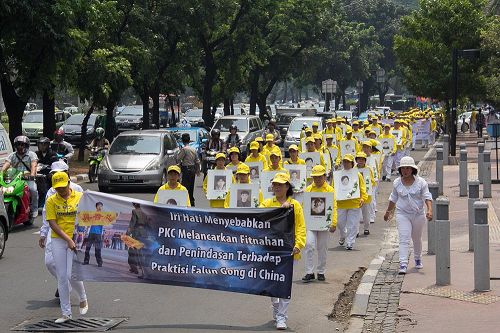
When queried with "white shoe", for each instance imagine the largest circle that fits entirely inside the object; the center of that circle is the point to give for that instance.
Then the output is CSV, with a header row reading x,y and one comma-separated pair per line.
x,y
281,324
63,319
402,269
84,310
418,264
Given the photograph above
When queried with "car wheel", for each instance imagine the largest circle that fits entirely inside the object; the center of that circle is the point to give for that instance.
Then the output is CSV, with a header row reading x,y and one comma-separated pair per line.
x,y
103,188
3,238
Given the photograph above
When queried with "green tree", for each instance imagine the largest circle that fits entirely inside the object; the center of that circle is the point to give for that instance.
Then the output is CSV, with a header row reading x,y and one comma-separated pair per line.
x,y
490,44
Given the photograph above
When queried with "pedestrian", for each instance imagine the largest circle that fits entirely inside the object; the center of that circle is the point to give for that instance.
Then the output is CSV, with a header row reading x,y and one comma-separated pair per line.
x,y
410,196
283,192
94,238
255,155
173,175
294,159
220,161
190,165
242,177
388,154
480,123
61,211
366,208
45,236
318,239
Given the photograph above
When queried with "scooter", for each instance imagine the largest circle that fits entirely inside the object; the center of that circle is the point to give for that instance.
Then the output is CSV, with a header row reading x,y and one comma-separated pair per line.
x,y
42,182
95,158
208,160
16,197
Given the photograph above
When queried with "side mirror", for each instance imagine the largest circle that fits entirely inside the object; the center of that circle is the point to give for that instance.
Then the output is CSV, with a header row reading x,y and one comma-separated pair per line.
x,y
170,152
204,141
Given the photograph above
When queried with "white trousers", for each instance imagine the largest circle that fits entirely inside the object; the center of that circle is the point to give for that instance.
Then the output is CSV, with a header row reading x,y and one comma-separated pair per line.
x,y
410,226
387,166
366,211
280,308
348,224
63,261
432,138
316,240
373,204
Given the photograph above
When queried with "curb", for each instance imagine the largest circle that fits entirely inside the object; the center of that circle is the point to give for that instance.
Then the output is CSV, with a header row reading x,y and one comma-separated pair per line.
x,y
83,177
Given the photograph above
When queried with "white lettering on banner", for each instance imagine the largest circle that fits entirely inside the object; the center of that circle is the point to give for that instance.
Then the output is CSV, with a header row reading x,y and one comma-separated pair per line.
x,y
232,222
169,268
205,254
255,257
194,235
264,274
244,239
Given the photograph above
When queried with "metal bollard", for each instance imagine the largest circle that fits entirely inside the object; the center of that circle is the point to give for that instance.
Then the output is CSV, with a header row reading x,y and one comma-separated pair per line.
x,y
443,272
481,247
431,225
446,148
487,174
439,170
463,146
480,151
473,197
463,173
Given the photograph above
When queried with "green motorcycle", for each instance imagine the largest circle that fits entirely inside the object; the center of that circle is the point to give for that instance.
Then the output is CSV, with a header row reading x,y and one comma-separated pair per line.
x,y
16,197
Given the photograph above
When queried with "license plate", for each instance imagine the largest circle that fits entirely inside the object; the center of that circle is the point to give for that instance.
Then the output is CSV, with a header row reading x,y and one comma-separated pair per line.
x,y
126,178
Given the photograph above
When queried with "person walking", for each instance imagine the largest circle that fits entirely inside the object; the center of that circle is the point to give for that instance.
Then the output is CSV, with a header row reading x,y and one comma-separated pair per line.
x,y
190,166
283,192
61,211
172,184
410,197
94,238
318,239
367,173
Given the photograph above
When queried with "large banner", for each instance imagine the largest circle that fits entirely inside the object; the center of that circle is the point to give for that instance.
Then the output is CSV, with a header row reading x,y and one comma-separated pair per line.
x,y
239,250
421,129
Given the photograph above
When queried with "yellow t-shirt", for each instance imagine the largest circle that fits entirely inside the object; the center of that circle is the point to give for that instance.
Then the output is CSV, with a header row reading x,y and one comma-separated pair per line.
x,y
299,162
300,224
168,188
355,203
214,203
260,158
329,189
63,212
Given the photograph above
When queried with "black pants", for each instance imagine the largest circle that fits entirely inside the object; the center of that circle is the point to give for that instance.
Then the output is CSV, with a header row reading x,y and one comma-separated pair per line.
x,y
96,240
188,177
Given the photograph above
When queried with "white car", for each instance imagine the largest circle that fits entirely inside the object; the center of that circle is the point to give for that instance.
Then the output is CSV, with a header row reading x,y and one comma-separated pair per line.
x,y
293,134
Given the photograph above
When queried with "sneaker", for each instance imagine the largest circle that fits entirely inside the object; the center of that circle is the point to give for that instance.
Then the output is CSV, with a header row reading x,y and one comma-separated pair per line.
x,y
342,241
99,264
85,263
57,293
281,324
348,247
418,264
321,277
367,232
371,222
308,278
84,309
63,319
383,178
402,269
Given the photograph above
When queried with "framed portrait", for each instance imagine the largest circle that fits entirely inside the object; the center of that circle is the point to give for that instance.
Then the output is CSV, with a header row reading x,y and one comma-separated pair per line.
x,y
346,183
387,145
244,196
318,210
334,141
373,162
173,197
347,147
311,159
398,134
218,183
255,170
266,184
297,176
366,176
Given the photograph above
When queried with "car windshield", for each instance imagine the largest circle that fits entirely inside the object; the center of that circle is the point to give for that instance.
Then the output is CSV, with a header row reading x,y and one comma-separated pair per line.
x,y
131,111
296,125
77,119
136,145
223,124
343,114
178,135
285,118
194,113
34,117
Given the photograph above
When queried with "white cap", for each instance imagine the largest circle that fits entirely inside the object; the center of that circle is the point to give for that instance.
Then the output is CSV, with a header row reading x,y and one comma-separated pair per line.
x,y
59,166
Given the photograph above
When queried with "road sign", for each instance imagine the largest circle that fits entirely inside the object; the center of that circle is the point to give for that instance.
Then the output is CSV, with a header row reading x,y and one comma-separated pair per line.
x,y
329,86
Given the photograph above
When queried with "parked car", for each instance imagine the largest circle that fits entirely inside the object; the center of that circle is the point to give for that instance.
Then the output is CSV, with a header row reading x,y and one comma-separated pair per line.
x,y
73,127
249,128
283,120
129,118
71,109
4,226
198,136
194,117
5,145
344,114
293,135
33,122
138,159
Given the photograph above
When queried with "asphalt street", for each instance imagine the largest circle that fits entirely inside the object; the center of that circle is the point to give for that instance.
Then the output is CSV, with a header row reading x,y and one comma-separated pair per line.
x,y
27,289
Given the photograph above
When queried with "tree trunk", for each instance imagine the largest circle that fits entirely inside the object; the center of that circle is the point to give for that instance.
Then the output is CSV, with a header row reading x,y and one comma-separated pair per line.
x,y
285,94
382,90
307,92
344,104
254,90
227,107
173,118
155,95
49,113
337,101
145,106
293,94
110,126
231,103
327,102
263,113
14,106
83,135
208,84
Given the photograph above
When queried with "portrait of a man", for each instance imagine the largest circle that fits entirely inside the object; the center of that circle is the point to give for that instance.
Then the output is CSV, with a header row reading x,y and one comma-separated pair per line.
x,y
244,198
317,206
220,183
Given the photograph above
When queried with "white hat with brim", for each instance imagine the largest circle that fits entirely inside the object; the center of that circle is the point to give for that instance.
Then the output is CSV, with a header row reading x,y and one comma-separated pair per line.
x,y
407,161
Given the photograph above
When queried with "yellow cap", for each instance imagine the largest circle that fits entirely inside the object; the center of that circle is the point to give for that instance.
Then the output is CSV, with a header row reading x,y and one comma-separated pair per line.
x,y
374,143
293,147
275,153
243,169
318,136
348,157
329,136
315,124
308,130
259,139
233,150
387,125
269,137
318,170
360,155
60,179
348,130
309,139
366,122
220,155
355,123
174,168
331,120
281,178
372,132
367,143
254,145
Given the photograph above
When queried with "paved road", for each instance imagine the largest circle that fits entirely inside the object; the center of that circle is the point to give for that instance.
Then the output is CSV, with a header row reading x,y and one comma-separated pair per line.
x,y
27,289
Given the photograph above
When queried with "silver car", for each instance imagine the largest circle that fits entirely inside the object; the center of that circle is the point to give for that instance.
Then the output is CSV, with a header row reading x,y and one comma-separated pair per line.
x,y
293,134
249,128
138,159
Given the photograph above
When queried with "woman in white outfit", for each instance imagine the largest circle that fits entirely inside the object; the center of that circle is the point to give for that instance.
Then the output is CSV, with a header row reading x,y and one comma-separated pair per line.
x,y
410,195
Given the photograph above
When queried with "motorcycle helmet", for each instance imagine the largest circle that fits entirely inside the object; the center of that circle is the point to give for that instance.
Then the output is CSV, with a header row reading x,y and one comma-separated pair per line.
x,y
43,140
59,135
22,140
99,132
215,133
233,127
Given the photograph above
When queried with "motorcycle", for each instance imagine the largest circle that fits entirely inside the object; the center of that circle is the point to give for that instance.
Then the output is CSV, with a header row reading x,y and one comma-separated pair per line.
x,y
42,182
16,197
208,160
95,158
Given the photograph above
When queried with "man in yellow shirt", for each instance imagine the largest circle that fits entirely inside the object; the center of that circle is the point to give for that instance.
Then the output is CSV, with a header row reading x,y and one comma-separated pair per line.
x,y
367,173
332,128
375,126
173,176
270,147
220,161
293,151
311,148
318,239
242,177
255,156
388,156
276,163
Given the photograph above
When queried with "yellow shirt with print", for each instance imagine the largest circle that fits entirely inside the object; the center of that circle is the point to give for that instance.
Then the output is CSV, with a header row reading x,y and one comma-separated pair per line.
x,y
354,203
63,212
336,130
325,188
260,158
214,203
179,187
300,225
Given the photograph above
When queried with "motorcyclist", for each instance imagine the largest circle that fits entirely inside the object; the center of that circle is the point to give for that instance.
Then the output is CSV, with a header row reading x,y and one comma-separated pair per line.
x,y
271,129
233,139
45,155
215,142
99,141
61,147
25,160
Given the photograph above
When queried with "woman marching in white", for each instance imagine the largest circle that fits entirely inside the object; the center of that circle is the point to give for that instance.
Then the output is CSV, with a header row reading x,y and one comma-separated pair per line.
x,y
410,195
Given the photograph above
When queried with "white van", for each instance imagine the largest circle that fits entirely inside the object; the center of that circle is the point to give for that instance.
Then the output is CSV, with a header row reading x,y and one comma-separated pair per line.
x,y
5,145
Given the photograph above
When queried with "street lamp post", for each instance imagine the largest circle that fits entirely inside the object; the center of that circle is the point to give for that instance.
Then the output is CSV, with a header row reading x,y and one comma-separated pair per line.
x,y
380,81
359,85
